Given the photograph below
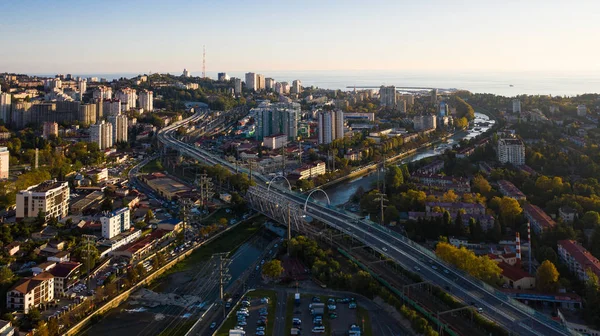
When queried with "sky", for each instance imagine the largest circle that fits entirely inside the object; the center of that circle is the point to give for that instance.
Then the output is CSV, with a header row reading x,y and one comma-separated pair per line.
x,y
141,36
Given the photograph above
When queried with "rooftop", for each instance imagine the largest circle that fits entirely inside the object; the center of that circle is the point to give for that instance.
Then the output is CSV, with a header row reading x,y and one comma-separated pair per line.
x,y
64,269
539,215
46,186
581,255
26,285
514,273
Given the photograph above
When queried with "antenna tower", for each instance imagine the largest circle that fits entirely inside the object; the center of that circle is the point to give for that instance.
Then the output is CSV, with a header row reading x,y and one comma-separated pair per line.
x,y
203,61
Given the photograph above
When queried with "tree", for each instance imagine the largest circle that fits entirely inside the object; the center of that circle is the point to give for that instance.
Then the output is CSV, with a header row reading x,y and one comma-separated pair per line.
x,y
394,178
223,222
6,276
107,204
149,216
547,277
405,172
41,329
591,220
450,196
481,185
592,299
546,253
272,269
391,214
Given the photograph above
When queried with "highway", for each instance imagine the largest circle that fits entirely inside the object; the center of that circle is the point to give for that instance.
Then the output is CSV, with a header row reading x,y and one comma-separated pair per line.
x,y
513,316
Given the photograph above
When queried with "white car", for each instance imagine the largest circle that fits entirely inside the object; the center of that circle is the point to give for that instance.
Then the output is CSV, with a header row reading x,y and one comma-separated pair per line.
x,y
384,249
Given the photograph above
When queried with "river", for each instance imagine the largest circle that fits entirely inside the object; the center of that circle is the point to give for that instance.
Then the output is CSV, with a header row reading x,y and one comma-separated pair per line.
x,y
341,193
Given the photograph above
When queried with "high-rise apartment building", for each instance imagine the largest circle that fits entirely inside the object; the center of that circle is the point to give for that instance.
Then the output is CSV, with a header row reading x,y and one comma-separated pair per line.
x,y
260,82
82,87
277,118
146,98
237,86
102,134
88,113
251,81
102,92
115,222
186,73
581,110
387,96
222,77
511,150
4,162
516,106
5,107
127,96
111,107
424,122
331,126
119,127
296,86
50,197
269,83
49,128
434,96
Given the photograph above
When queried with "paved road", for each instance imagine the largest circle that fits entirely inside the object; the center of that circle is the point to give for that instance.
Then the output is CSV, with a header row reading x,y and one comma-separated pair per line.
x,y
509,314
279,327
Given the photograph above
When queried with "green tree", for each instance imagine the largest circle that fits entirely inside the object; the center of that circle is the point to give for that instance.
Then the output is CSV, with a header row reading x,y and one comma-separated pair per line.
x,y
6,276
149,216
394,178
272,269
547,277
481,185
591,220
391,214
592,299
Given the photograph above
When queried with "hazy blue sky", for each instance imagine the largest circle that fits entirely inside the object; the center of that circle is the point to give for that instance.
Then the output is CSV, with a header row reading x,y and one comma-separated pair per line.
x,y
145,35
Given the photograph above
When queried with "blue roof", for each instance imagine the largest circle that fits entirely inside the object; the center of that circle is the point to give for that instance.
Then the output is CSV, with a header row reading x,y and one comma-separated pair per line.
x,y
174,221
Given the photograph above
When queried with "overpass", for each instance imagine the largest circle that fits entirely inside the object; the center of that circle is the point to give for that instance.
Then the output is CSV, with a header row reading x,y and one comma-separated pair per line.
x,y
298,210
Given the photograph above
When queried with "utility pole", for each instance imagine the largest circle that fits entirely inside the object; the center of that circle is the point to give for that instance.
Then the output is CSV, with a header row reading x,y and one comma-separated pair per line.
x,y
289,228
283,154
381,198
88,258
224,276
383,170
250,163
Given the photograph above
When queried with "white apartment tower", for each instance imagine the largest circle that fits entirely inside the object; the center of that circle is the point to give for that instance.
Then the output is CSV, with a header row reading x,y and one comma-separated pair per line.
x,y
119,127
186,73
237,86
5,106
127,96
102,134
331,126
251,81
387,96
82,87
4,162
50,197
111,107
146,98
511,150
260,82
115,222
516,106
269,83
102,92
277,118
296,87
581,110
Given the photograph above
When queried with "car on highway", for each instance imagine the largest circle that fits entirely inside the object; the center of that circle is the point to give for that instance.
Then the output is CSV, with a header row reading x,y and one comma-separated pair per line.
x,y
213,325
384,249
446,271
434,267
417,268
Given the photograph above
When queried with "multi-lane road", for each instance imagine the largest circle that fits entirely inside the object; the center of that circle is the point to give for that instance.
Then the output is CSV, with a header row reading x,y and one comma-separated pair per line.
x,y
496,306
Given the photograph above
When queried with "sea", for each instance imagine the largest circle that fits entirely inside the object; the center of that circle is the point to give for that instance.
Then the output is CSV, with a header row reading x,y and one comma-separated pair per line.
x,y
507,84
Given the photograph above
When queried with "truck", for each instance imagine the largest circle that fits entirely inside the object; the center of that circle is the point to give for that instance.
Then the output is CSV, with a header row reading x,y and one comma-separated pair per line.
x,y
297,299
236,332
295,331
317,309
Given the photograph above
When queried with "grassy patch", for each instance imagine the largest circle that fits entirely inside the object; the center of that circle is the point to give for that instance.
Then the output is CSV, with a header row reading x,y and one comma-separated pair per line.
x,y
152,167
364,321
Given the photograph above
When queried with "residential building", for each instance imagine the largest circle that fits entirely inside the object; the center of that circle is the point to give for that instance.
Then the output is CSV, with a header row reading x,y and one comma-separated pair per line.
x,y
49,128
296,87
102,92
111,107
275,141
578,259
269,83
516,106
331,126
4,162
115,222
119,127
282,87
511,150
82,88
222,77
277,118
260,82
452,207
387,96
5,107
102,134
539,220
88,114
581,110
434,96
508,189
146,98
50,197
66,275
357,116
186,73
237,86
32,292
515,277
425,122
311,170
251,81
127,96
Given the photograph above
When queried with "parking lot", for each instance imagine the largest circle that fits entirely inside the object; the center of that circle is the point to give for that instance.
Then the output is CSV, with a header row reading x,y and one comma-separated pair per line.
x,y
336,319
253,315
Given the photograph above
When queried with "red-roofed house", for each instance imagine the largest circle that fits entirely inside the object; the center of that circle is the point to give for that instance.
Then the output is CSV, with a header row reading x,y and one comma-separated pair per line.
x,y
515,277
31,292
578,259
540,221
